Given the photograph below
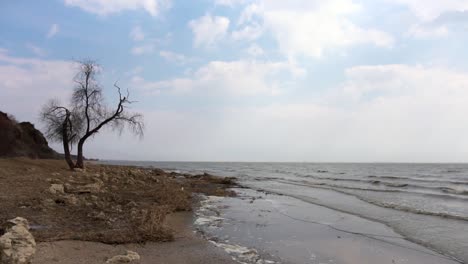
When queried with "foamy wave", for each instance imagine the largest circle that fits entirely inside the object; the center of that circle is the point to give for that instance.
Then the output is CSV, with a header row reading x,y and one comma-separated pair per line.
x,y
207,216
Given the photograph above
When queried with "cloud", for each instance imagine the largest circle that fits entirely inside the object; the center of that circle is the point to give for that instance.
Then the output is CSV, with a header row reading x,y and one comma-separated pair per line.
x,y
137,34
380,113
36,50
428,10
25,83
143,49
389,113
54,29
105,7
237,78
436,18
437,84
145,45
249,33
425,32
254,50
174,57
303,27
208,30
230,2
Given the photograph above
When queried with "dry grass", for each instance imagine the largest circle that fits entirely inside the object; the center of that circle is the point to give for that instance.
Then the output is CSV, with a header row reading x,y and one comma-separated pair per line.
x,y
130,206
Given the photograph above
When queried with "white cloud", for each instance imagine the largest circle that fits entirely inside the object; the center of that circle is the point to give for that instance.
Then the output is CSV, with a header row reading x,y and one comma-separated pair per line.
x,y
248,32
424,32
25,83
106,7
143,49
381,113
54,29
255,50
428,10
137,34
230,2
36,50
304,27
239,78
174,57
399,113
404,80
208,30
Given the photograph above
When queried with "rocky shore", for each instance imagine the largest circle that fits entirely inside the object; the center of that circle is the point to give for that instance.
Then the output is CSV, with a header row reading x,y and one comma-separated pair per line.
x,y
110,205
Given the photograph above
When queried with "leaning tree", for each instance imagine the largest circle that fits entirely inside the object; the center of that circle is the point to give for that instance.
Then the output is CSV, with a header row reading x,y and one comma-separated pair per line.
x,y
89,113
62,125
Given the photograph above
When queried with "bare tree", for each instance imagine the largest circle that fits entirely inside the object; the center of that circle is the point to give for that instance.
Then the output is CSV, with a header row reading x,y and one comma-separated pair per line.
x,y
88,114
88,102
61,125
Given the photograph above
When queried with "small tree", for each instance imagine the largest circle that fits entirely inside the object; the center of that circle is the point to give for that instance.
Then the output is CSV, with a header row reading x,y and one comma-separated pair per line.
x,y
89,114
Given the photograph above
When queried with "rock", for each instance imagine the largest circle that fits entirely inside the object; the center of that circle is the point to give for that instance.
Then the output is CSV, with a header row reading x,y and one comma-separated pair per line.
x,y
17,245
56,188
129,257
87,188
22,140
101,216
104,176
48,202
71,200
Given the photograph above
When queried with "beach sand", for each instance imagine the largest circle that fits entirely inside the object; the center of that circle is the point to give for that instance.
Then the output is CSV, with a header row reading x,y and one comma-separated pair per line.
x,y
187,248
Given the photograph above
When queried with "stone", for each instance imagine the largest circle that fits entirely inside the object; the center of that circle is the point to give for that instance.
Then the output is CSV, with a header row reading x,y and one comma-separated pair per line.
x,y
130,256
48,202
17,245
56,189
86,188
71,200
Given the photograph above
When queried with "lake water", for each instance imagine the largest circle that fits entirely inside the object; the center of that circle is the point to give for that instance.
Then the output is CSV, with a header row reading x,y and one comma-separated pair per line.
x,y
425,203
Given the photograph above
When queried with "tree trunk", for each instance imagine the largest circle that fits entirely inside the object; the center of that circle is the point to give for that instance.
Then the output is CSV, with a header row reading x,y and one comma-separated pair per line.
x,y
66,144
66,151
79,156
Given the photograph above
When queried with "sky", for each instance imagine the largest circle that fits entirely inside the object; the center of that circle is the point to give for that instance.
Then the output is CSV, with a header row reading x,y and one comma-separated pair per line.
x,y
258,80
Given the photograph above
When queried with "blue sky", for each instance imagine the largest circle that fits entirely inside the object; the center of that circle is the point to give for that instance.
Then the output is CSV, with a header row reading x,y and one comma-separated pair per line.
x,y
259,80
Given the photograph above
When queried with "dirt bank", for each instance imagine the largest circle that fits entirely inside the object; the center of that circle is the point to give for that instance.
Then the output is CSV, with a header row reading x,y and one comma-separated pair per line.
x,y
108,204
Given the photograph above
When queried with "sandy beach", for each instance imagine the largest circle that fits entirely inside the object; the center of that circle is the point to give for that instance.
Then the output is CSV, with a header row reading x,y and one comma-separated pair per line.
x,y
187,248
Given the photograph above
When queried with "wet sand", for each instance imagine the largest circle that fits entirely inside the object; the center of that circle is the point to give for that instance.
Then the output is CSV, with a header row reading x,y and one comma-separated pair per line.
x,y
187,248
286,230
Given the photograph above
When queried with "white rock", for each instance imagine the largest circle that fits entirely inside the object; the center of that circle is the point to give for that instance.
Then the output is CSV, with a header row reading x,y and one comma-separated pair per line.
x,y
56,189
129,257
17,245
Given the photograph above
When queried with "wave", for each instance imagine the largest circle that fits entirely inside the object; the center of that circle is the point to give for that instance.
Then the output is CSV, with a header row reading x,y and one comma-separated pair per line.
x,y
386,205
387,186
431,180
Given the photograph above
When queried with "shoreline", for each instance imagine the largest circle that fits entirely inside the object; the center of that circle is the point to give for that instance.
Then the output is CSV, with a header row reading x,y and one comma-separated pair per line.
x,y
170,236
286,230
